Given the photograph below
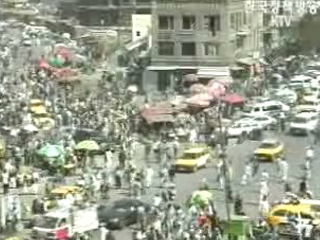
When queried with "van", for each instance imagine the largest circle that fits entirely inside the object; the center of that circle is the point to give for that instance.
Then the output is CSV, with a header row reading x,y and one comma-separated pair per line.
x,y
303,123
300,81
264,108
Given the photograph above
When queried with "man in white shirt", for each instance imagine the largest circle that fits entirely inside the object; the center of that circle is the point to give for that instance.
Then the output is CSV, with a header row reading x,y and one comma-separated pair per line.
x,y
309,153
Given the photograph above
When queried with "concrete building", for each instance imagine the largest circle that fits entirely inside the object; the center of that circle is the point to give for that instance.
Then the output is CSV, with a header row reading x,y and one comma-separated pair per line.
x,y
204,37
111,12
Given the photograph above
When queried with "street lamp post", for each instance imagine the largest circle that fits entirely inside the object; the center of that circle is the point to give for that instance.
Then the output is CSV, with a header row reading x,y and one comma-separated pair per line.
x,y
227,186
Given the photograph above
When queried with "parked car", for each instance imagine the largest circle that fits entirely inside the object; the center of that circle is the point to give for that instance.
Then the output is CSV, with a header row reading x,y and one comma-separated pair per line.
x,y
243,127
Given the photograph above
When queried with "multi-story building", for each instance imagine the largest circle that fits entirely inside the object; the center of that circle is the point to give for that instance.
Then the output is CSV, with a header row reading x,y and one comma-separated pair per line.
x,y
111,12
203,37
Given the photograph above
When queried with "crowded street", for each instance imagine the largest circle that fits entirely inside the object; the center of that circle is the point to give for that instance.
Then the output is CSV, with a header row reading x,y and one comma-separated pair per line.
x,y
90,151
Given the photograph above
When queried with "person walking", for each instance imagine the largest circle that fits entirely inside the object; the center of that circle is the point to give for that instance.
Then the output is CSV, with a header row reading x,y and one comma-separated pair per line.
x,y
149,176
284,168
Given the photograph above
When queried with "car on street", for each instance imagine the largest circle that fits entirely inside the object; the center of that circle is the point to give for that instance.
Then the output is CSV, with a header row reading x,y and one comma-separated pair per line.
x,y
123,213
269,150
303,209
193,159
303,123
243,128
265,121
265,108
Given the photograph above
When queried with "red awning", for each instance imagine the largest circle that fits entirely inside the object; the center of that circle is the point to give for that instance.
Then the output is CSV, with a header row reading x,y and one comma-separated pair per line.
x,y
233,99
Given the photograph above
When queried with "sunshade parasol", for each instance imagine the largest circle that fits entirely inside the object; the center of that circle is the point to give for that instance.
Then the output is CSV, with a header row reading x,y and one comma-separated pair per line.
x,y
201,198
88,145
51,151
30,128
55,62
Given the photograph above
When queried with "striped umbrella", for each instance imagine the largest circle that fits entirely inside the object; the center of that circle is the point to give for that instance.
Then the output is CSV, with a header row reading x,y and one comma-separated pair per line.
x,y
88,145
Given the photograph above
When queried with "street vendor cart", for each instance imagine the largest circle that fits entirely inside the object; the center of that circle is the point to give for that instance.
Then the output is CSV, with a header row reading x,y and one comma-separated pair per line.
x,y
238,228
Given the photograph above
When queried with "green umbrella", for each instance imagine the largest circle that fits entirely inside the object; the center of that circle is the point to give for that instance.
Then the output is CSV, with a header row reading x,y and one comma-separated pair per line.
x,y
201,198
51,151
55,62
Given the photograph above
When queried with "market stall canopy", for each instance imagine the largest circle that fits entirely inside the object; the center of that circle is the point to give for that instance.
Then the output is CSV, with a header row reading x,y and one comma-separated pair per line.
x,y
233,99
200,100
88,145
162,112
216,88
51,151
198,88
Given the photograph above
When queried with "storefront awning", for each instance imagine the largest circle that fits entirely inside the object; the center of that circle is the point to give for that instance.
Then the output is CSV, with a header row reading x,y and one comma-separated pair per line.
x,y
246,61
213,72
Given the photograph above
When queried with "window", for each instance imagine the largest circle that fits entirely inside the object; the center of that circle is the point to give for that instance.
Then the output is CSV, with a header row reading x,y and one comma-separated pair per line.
x,y
138,34
163,80
232,21
188,22
244,18
240,42
166,48
212,24
211,49
257,109
280,213
189,49
272,108
166,23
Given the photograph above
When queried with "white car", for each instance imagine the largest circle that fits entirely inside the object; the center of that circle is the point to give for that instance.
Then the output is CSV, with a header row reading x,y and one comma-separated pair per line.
x,y
300,81
242,127
286,94
303,123
265,121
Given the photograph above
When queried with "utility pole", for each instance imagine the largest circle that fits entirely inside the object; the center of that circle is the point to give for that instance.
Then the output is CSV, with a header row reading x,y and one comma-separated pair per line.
x,y
222,137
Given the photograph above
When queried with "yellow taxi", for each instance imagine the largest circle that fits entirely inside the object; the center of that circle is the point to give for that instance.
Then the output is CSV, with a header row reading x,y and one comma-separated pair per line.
x,y
305,211
269,150
42,119
61,193
193,158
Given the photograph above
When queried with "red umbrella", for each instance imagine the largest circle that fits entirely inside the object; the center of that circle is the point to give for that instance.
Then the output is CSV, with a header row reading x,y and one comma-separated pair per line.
x,y
63,52
216,89
198,88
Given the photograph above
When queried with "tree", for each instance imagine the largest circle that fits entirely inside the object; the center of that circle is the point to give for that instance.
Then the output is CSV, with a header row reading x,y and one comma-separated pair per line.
x,y
307,32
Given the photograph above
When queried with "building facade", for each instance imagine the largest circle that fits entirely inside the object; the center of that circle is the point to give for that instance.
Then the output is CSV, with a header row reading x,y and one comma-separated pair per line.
x,y
111,12
190,36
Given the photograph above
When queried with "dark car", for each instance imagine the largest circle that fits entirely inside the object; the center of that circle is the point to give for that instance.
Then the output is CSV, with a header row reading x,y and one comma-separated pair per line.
x,y
83,134
123,213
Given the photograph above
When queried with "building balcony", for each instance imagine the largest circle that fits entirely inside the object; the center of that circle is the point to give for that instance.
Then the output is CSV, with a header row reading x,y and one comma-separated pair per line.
x,y
190,61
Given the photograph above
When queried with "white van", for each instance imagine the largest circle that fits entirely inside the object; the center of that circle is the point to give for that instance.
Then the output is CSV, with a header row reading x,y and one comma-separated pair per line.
x,y
300,81
303,123
264,108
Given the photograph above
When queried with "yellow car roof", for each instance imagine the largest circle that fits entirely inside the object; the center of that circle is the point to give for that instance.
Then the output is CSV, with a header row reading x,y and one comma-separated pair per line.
x,y
195,150
36,101
65,189
40,110
291,207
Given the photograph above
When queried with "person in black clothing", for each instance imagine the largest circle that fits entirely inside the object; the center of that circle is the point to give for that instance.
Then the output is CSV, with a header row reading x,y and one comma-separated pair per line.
x,y
238,206
110,236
